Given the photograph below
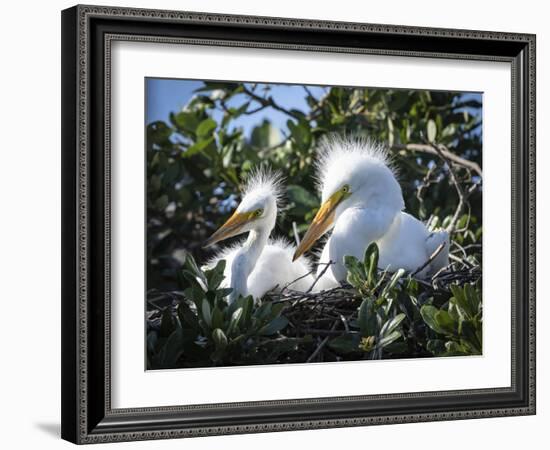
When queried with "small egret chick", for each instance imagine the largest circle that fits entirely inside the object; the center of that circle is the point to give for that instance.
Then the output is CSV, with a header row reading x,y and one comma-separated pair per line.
x,y
258,264
362,202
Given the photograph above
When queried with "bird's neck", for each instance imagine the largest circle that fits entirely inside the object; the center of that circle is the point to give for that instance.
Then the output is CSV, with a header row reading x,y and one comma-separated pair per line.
x,y
244,263
355,229
254,245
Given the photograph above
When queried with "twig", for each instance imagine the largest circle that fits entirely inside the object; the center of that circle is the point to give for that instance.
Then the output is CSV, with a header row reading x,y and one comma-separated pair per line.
x,y
265,151
308,92
327,265
427,148
269,102
320,332
345,322
460,260
460,192
321,345
430,259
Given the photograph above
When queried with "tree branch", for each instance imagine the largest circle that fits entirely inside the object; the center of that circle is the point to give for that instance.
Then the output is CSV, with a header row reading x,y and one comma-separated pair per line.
x,y
270,102
441,150
460,192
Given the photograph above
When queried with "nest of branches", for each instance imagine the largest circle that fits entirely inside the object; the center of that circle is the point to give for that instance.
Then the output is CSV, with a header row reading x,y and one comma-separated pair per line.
x,y
335,312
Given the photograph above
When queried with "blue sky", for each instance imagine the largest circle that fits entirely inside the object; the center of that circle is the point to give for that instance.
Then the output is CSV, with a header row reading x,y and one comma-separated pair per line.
x,y
165,96
171,95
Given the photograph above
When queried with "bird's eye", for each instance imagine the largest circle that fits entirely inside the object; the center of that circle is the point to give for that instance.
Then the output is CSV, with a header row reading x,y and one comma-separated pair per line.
x,y
258,212
345,188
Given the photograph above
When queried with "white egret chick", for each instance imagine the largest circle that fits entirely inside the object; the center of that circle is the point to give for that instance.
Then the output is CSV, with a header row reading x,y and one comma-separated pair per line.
x,y
259,264
362,202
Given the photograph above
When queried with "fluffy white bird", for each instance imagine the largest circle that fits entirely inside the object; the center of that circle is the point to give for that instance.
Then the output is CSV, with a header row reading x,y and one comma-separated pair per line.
x,y
362,202
259,264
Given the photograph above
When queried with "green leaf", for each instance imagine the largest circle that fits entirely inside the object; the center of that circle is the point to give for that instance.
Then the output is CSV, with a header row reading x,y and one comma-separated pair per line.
x,y
158,132
428,313
446,322
234,321
436,346
303,201
300,133
431,130
220,339
195,283
215,276
194,269
455,349
388,339
367,318
167,323
173,348
274,326
473,298
186,121
194,293
162,202
248,305
206,313
468,332
206,127
346,343
217,318
152,339
188,317
223,292
392,324
438,320
355,270
393,281
264,311
198,147
371,263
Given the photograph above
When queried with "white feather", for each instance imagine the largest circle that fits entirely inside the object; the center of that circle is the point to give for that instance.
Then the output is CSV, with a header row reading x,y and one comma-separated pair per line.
x,y
257,264
373,212
274,268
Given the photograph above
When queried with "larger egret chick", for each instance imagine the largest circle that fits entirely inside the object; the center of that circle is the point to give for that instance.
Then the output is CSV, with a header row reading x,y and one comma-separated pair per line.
x,y
362,202
258,264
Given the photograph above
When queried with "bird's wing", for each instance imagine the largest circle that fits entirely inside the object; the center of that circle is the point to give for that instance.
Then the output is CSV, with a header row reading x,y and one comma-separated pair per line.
x,y
433,241
275,268
406,245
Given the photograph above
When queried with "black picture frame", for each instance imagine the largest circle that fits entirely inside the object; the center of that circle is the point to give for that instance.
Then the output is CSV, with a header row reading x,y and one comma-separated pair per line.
x,y
87,31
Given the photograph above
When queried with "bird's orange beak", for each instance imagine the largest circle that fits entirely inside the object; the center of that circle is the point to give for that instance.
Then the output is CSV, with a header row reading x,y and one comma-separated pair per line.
x,y
322,222
232,227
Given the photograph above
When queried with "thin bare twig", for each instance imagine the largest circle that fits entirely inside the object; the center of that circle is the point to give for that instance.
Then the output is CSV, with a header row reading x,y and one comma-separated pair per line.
x,y
430,259
322,344
428,148
345,322
454,179
327,265
270,102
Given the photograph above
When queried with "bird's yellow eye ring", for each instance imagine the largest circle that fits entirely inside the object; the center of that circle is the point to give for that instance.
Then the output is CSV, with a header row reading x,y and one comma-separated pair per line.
x,y
258,212
345,188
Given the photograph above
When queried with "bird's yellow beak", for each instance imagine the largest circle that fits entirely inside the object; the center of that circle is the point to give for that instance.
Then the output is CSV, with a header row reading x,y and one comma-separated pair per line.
x,y
321,223
231,228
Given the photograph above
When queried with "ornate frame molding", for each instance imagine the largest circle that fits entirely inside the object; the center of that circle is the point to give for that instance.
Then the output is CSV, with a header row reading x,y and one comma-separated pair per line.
x,y
80,423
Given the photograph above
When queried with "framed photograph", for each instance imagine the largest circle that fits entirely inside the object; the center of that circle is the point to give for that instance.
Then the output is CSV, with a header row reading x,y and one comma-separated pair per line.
x,y
280,224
